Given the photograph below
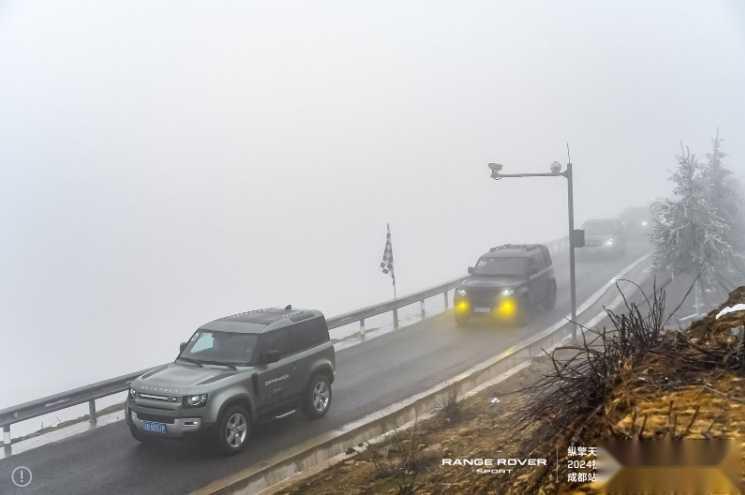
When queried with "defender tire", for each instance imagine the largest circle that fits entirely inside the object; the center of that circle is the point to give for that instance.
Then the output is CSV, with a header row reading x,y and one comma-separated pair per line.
x,y
232,430
316,400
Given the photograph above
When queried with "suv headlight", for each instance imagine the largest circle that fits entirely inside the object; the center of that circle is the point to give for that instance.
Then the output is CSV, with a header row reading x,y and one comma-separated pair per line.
x,y
610,242
132,393
507,292
195,400
460,292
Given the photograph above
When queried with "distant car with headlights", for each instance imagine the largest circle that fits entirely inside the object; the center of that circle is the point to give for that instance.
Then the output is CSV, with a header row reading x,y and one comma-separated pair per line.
x,y
233,373
604,238
506,284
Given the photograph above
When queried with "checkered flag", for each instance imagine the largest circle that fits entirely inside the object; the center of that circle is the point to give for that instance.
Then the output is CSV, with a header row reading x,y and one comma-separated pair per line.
x,y
386,264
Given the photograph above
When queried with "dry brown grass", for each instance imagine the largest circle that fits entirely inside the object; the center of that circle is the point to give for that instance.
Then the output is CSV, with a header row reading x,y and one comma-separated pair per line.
x,y
640,382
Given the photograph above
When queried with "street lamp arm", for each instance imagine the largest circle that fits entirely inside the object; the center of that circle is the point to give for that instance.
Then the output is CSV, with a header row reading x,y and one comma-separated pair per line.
x,y
500,176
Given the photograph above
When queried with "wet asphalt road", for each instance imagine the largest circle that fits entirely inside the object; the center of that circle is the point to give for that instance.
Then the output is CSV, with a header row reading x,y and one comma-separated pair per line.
x,y
370,376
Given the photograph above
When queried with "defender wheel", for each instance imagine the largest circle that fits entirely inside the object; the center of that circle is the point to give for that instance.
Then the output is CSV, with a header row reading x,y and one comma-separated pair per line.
x,y
317,400
233,430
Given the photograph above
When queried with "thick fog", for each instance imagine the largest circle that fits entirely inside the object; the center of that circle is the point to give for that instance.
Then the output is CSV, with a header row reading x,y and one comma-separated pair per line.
x,y
167,163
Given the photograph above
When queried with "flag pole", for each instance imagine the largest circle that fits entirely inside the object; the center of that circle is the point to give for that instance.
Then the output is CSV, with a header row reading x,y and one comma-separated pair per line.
x,y
386,264
393,269
393,278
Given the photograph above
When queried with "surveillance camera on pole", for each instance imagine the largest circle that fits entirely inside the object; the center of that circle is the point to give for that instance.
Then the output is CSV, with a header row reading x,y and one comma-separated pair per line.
x,y
576,239
496,168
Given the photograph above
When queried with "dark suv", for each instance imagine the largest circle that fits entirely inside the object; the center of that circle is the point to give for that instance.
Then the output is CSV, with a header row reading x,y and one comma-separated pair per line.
x,y
506,284
234,372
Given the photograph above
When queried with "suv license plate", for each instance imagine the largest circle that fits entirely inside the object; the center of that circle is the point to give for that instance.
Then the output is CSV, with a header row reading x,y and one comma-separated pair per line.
x,y
481,310
154,427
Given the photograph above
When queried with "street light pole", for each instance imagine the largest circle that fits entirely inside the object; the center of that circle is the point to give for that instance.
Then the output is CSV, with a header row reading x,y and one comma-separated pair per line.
x,y
572,282
496,174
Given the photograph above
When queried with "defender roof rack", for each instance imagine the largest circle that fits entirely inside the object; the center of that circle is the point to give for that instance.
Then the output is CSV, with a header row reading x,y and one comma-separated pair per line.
x,y
261,319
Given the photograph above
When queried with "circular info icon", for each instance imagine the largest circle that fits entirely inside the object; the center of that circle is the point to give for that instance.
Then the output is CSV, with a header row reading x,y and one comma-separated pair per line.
x,y
21,476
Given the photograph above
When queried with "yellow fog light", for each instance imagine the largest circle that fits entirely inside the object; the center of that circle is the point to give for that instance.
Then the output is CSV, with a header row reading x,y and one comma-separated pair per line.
x,y
462,306
507,307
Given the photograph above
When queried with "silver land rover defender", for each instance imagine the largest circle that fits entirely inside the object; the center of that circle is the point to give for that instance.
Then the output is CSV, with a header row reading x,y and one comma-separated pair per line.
x,y
234,372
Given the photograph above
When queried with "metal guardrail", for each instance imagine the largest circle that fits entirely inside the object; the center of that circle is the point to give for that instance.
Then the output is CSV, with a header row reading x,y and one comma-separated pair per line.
x,y
105,388
392,306
64,400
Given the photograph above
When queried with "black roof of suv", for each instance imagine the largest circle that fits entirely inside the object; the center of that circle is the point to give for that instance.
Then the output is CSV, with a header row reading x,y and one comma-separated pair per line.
x,y
261,320
516,251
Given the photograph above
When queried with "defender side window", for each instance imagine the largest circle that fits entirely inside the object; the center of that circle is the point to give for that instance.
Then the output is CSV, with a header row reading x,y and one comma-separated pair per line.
x,y
318,331
298,341
307,334
275,340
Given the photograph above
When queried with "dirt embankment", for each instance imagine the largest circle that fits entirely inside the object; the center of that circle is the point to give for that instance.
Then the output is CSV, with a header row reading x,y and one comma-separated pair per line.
x,y
641,383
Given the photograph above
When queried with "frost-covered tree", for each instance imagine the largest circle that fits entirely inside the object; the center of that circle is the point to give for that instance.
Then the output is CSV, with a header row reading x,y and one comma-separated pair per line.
x,y
689,234
723,194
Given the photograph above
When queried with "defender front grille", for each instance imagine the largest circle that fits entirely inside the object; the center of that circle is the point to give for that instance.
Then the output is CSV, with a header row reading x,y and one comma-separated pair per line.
x,y
482,297
157,419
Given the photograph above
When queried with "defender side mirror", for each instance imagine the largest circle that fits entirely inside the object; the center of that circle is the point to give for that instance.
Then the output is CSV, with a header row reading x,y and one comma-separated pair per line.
x,y
181,347
470,270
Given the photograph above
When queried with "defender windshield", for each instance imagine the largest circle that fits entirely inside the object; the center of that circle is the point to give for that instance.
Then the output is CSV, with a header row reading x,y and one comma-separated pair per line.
x,y
208,346
510,267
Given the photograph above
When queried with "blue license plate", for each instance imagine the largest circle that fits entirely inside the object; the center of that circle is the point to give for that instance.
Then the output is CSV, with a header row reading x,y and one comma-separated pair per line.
x,y
154,427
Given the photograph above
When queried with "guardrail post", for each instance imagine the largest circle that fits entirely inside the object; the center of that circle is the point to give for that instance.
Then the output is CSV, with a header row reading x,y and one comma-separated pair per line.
x,y
421,309
395,318
446,299
92,411
362,328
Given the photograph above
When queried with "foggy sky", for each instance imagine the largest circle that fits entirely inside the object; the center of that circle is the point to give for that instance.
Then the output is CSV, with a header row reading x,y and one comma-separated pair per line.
x,y
167,163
